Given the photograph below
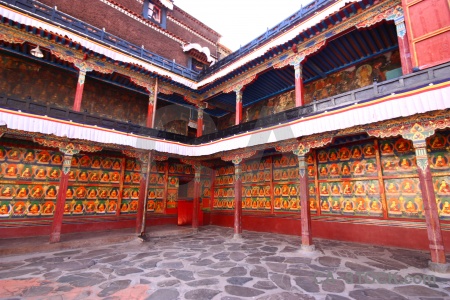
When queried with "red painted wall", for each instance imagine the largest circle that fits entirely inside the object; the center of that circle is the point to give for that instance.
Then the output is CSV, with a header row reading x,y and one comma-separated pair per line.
x,y
412,238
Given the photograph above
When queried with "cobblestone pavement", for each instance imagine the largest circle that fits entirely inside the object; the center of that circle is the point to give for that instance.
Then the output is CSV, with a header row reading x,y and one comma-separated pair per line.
x,y
211,265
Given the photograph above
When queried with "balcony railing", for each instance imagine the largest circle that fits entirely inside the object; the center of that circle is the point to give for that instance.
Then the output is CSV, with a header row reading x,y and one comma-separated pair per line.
x,y
412,81
61,19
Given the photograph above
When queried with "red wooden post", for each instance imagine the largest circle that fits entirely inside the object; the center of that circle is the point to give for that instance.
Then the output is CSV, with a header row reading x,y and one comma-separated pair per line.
x,y
237,199
55,235
79,91
197,190
200,122
143,191
299,92
305,212
151,109
403,46
430,206
238,107
152,101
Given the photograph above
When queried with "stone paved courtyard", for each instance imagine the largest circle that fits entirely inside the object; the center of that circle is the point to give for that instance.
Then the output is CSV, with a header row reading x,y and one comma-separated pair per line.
x,y
211,265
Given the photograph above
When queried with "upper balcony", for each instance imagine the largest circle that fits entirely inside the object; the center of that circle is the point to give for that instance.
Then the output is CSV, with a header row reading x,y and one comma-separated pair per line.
x,y
367,94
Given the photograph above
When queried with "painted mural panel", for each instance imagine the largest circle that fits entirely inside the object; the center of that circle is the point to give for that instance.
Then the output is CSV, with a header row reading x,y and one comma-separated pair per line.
x,y
130,190
256,181
401,184
286,183
94,186
438,146
224,188
348,180
156,187
29,181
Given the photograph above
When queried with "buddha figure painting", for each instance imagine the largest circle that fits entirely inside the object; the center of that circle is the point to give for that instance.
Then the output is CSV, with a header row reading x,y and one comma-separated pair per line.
x,y
322,156
48,208
26,172
375,206
405,163
394,206
80,192
14,154
19,208
334,169
2,154
50,193
345,170
325,206
356,152
43,157
85,161
391,188
57,159
40,174
358,168
410,206
344,153
371,167
336,205
5,210
402,145
323,189
443,187
369,151
22,193
37,192
408,187
437,142
445,209
360,204
333,155
323,171
440,161
348,206
29,156
359,188
34,209
11,171
7,192
386,148
78,208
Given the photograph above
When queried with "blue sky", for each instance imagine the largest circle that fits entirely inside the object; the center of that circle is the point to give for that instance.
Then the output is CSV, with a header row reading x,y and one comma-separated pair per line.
x,y
240,21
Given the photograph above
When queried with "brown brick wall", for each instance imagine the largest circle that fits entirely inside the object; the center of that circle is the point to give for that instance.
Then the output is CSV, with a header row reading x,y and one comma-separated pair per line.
x,y
101,15
115,22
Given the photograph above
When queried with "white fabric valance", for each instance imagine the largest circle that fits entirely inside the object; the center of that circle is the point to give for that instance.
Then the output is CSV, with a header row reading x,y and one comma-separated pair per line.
x,y
421,101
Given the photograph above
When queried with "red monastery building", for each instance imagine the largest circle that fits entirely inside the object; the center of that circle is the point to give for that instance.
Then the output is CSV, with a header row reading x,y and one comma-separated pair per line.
x,y
333,124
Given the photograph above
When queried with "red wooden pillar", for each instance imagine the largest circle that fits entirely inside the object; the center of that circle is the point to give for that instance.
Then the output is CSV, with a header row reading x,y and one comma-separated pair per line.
x,y
238,107
299,91
152,102
305,212
237,199
143,191
196,206
200,122
403,46
79,91
151,109
55,234
430,207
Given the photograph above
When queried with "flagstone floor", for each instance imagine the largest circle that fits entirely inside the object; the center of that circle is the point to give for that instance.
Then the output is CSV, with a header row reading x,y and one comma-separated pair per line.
x,y
211,265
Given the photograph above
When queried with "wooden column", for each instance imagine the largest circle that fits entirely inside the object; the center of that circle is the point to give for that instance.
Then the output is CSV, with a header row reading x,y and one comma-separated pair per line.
x,y
154,103
151,109
429,204
79,91
299,91
196,204
403,45
238,107
200,122
237,199
143,191
305,212
55,235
